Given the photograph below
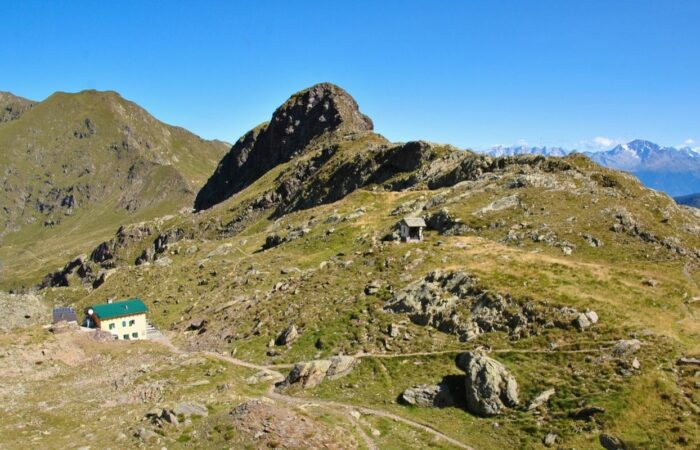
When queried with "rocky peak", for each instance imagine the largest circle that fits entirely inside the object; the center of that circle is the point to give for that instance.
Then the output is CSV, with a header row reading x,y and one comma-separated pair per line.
x,y
307,114
321,109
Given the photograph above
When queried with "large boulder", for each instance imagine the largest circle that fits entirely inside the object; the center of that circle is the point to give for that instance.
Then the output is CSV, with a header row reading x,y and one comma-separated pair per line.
x,y
438,396
340,366
308,374
289,335
311,373
490,386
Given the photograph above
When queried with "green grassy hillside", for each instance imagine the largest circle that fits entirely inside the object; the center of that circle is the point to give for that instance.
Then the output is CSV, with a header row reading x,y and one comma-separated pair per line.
x,y
76,165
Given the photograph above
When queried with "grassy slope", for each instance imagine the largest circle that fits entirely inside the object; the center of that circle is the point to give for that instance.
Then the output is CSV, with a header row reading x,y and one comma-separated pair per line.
x,y
651,409
41,151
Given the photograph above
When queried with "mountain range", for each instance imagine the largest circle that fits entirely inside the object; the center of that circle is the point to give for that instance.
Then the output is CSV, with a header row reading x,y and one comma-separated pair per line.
x,y
675,171
549,302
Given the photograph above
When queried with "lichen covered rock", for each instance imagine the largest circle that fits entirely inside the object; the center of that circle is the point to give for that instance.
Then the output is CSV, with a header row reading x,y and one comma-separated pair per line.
x,y
490,386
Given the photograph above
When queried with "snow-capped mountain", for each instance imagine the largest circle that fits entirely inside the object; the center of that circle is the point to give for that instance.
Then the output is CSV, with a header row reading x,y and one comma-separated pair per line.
x,y
640,155
673,170
501,150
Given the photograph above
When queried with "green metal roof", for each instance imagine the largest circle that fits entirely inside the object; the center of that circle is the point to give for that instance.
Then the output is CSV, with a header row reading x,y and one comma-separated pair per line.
x,y
119,309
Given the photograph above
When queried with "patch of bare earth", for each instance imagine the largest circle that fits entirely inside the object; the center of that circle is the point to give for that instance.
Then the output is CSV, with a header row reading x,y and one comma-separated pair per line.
x,y
270,426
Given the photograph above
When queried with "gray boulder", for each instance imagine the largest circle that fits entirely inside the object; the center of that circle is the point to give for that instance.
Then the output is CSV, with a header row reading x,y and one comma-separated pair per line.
x,y
610,442
289,335
626,347
490,386
550,439
585,320
427,396
308,374
311,373
261,376
340,366
189,409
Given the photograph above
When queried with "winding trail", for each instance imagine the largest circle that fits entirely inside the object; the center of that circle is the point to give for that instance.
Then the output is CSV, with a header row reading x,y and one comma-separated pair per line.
x,y
343,409
334,406
454,352
274,395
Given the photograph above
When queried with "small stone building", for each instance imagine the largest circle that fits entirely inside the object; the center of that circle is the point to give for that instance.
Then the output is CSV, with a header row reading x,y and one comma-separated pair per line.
x,y
64,314
125,320
411,229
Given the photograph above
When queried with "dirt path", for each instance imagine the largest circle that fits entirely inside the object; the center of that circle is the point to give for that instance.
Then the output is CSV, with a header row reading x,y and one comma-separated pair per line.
x,y
274,395
273,367
343,409
330,404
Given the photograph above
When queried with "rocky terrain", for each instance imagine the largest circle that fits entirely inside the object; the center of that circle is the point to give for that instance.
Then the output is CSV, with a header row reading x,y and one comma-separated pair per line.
x,y
552,303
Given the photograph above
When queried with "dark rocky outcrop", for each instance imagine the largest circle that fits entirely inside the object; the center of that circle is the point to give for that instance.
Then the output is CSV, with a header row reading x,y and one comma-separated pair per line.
x,y
305,116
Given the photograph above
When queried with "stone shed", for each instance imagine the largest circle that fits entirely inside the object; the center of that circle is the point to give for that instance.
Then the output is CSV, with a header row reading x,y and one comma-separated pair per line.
x,y
411,229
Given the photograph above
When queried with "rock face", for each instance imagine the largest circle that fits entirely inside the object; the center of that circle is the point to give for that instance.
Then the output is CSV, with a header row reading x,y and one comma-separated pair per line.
x,y
490,386
305,116
438,396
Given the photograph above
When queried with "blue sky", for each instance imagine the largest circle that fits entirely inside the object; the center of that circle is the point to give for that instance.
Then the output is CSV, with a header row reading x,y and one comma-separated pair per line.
x,y
582,74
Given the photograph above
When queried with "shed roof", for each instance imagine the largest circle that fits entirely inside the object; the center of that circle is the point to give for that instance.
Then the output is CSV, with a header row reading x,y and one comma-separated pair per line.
x,y
414,221
119,309
64,313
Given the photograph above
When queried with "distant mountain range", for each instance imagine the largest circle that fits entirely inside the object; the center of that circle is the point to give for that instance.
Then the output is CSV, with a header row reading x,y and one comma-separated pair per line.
x,y
501,150
675,171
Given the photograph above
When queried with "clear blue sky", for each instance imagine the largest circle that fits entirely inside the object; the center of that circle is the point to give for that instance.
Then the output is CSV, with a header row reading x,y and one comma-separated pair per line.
x,y
470,73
